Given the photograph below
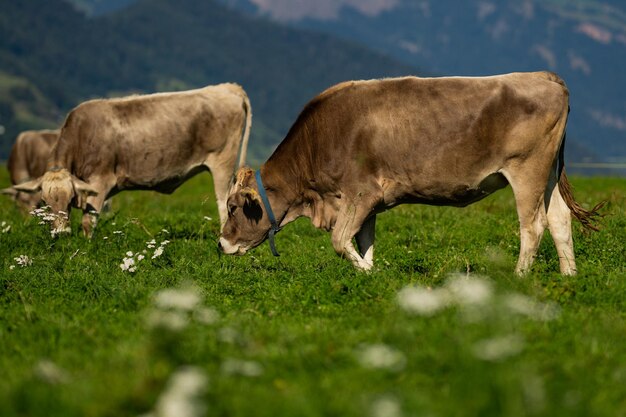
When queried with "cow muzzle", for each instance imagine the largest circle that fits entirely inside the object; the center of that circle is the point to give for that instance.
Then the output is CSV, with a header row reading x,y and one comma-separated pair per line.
x,y
229,249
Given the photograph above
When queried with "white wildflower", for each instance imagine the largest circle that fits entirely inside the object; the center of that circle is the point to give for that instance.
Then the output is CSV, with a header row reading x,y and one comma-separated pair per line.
x,y
12,267
165,231
50,372
174,321
206,315
183,394
174,308
158,252
118,232
58,230
526,306
241,367
105,238
5,227
47,216
499,348
468,290
422,301
178,299
534,391
228,335
207,218
23,261
38,211
381,356
386,406
128,264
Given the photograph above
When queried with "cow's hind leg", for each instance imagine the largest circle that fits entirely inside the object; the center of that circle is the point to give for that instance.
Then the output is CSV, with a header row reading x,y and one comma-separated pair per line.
x,y
560,225
350,221
528,188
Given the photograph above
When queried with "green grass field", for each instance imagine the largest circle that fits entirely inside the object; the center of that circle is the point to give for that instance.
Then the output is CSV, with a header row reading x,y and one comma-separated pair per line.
x,y
442,327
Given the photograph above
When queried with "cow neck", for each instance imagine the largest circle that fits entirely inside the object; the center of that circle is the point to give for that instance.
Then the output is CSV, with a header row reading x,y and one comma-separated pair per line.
x,y
270,213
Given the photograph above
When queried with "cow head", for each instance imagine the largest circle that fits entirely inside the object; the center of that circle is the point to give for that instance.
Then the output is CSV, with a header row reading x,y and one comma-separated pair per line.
x,y
59,190
247,224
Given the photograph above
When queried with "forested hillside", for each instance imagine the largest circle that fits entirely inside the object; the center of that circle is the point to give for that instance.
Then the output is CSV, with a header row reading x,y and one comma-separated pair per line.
x,y
52,56
98,7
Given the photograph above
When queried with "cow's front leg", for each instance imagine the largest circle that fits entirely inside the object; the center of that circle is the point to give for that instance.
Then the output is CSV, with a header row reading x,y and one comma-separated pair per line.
x,y
91,212
89,221
349,222
221,183
346,249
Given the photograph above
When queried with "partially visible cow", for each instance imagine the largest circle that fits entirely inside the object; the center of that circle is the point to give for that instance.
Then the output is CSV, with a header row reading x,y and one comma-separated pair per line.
x,y
362,147
144,142
27,161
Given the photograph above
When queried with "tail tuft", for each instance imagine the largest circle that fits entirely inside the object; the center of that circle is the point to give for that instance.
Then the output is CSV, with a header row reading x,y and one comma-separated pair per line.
x,y
588,218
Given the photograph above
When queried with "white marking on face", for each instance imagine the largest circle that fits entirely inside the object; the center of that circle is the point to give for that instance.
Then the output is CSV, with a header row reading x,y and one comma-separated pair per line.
x,y
230,249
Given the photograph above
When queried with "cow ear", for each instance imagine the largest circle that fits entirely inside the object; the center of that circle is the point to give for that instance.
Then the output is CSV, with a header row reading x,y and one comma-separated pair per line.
x,y
82,190
9,191
251,196
30,187
82,187
242,176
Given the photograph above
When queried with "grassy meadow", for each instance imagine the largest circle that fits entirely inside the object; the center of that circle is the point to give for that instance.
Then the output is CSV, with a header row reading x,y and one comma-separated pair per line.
x,y
441,327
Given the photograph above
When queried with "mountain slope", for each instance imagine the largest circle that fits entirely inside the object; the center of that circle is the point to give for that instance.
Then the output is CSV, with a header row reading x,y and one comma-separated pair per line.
x,y
159,45
583,41
100,7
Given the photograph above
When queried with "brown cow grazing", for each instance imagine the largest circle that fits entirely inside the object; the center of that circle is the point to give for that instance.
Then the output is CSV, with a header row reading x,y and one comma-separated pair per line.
x,y
362,147
27,161
149,142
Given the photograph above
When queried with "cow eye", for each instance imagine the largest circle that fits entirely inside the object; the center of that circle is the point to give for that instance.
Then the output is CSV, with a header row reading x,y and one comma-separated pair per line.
x,y
232,208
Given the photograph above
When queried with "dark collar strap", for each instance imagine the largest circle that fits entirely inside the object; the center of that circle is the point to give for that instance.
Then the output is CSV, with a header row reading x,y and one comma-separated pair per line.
x,y
268,210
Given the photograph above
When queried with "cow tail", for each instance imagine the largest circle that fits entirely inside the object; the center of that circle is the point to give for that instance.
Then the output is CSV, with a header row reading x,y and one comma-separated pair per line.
x,y
243,146
588,218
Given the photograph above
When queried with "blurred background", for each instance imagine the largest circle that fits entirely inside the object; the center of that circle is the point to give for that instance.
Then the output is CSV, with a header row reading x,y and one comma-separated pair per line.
x,y
56,53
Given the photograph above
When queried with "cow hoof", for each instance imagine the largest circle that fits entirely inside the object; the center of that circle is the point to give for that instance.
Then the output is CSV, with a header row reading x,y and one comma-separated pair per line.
x,y
364,266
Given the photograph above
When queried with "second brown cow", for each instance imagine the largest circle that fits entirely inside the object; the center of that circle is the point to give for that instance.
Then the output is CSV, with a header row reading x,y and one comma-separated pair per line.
x,y
27,161
144,142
